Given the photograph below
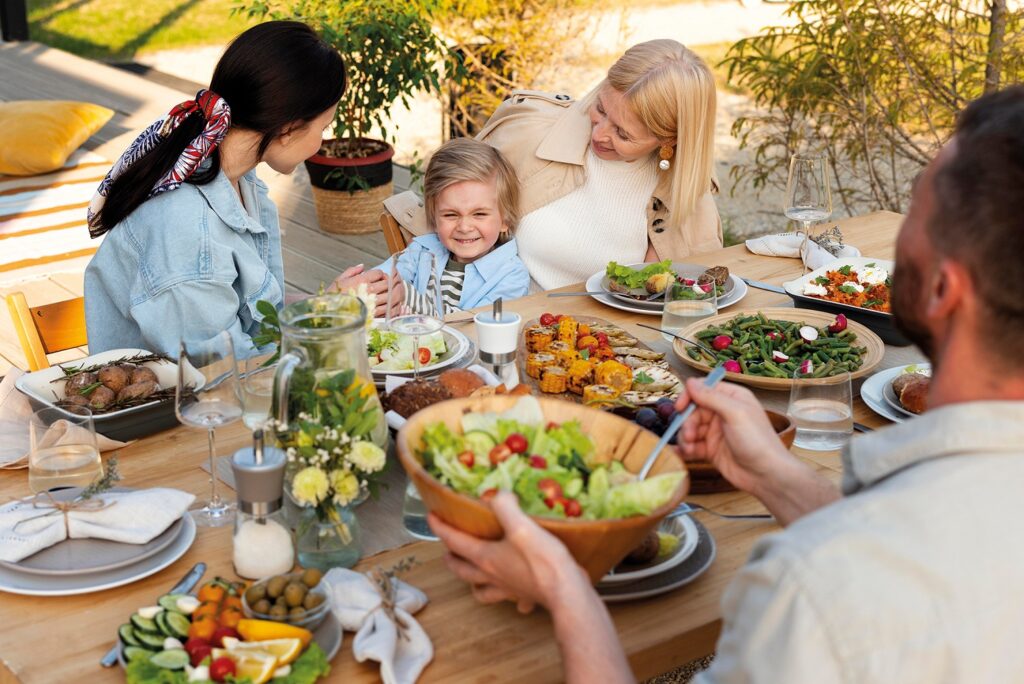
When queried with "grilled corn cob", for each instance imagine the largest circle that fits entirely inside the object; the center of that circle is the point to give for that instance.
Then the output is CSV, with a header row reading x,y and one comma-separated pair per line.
x,y
567,331
553,380
536,363
615,374
538,337
581,374
599,394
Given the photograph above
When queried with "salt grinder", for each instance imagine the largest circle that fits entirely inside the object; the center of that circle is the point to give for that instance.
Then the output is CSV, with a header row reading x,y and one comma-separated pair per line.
x,y
498,338
262,540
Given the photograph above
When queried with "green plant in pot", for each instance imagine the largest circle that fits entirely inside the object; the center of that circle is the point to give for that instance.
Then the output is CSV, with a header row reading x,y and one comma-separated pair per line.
x,y
390,52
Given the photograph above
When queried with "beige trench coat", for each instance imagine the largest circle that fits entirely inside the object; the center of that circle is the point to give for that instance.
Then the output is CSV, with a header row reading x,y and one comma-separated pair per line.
x,y
545,138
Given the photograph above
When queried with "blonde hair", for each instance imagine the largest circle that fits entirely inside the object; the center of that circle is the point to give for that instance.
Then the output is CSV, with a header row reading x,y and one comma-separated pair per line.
x,y
466,159
672,91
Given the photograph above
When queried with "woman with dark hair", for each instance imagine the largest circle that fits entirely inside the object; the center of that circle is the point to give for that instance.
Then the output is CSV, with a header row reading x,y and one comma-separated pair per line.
x,y
194,240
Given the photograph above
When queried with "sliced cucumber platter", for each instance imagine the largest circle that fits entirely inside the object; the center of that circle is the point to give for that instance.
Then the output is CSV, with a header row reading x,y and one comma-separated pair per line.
x,y
157,633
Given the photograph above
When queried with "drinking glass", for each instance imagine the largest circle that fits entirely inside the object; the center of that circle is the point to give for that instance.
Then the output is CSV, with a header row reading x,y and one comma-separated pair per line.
x,y
414,514
417,324
62,449
209,404
686,302
257,385
822,410
808,197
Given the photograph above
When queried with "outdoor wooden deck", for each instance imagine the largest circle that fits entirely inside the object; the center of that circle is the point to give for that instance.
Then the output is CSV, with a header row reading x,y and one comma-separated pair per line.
x,y
32,71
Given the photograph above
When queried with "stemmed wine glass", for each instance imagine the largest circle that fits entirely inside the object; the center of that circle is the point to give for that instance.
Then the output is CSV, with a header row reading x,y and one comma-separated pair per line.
x,y
207,396
808,197
414,323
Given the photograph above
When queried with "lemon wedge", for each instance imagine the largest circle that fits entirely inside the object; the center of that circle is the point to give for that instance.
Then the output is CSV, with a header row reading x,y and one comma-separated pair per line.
x,y
285,650
258,666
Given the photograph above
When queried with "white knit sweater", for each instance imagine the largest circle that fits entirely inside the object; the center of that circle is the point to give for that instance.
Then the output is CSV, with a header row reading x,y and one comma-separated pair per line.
x,y
603,220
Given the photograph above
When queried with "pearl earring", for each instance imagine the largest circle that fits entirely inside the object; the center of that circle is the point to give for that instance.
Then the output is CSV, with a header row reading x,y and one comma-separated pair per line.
x,y
665,153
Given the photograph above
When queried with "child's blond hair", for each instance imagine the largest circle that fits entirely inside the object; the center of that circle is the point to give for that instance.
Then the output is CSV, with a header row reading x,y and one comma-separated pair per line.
x,y
466,159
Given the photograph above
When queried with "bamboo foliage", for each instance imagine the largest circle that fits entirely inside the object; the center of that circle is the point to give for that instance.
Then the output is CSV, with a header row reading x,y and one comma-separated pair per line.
x,y
876,84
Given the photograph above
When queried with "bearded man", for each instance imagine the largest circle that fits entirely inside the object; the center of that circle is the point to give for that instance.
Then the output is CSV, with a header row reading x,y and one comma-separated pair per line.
x,y
915,571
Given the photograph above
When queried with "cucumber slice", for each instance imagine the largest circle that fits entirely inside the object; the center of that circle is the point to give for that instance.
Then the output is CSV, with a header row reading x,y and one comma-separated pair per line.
x,y
174,659
144,624
170,602
136,653
479,442
150,640
178,624
127,635
161,623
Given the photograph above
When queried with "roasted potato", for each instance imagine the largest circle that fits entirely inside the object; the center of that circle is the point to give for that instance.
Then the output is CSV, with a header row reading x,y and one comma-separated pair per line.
x,y
143,374
113,378
138,390
101,397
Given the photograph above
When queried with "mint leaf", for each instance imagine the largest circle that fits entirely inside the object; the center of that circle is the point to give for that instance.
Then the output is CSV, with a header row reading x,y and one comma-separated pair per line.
x,y
846,270
643,378
822,280
848,289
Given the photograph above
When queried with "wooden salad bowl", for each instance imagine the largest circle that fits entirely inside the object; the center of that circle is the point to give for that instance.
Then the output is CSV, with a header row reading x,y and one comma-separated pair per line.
x,y
597,545
705,478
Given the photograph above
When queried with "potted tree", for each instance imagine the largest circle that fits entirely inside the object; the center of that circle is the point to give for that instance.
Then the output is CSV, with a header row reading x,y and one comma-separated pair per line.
x,y
390,52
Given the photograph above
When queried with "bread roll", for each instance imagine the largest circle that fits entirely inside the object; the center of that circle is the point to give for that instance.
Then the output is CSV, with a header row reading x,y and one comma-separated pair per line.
x,y
460,382
912,391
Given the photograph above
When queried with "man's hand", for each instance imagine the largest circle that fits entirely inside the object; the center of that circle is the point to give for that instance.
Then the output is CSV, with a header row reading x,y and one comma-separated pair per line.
x,y
731,431
376,282
528,566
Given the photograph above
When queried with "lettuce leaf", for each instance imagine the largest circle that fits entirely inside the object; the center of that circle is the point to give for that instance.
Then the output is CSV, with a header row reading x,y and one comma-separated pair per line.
x,y
641,497
634,278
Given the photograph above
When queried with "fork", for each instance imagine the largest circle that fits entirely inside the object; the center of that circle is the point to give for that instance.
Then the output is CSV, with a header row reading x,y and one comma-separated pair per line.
x,y
687,507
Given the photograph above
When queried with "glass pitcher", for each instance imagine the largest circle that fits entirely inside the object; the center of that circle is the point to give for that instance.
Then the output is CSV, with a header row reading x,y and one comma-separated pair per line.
x,y
322,337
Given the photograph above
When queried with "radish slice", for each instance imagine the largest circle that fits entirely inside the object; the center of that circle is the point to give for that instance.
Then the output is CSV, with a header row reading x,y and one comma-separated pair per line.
x,y
808,334
779,356
721,342
839,325
733,366
806,368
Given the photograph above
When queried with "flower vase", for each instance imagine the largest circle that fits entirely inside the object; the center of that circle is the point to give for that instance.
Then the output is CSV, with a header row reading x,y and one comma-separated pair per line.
x,y
331,543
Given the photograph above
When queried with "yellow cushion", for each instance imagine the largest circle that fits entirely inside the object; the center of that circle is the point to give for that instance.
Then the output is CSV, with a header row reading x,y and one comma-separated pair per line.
x,y
37,136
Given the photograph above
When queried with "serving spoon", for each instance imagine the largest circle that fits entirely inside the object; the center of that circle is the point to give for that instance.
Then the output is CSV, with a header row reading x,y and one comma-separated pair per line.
x,y
678,337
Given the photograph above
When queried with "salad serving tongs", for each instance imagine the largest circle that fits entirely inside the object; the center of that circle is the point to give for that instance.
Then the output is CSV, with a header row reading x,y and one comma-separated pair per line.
x,y
713,379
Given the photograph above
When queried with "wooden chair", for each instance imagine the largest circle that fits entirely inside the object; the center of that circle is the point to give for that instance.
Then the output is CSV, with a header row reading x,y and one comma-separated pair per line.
x,y
47,329
395,235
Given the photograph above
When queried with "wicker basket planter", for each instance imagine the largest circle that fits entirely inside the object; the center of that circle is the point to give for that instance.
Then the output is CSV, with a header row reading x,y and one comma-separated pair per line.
x,y
344,211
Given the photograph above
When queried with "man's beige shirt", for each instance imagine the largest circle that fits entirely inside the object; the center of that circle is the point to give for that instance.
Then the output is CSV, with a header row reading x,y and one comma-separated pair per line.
x,y
917,575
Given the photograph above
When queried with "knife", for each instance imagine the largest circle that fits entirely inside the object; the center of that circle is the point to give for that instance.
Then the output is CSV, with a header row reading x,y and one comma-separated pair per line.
x,y
764,286
187,582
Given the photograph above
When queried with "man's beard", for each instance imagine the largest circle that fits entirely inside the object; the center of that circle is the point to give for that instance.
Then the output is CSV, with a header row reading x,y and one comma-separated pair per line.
x,y
908,307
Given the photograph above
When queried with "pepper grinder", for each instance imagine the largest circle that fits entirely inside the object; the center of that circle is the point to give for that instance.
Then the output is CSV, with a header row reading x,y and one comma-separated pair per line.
x,y
498,338
262,542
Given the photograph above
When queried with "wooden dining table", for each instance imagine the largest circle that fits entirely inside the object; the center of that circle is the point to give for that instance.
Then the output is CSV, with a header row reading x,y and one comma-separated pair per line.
x,y
61,639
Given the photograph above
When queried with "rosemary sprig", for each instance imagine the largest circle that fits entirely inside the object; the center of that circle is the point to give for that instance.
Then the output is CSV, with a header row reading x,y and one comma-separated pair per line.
x,y
102,484
138,359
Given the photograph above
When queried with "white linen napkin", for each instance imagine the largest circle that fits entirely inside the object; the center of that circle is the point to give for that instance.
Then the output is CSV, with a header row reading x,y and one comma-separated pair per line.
x,y
133,517
402,652
790,244
395,421
15,413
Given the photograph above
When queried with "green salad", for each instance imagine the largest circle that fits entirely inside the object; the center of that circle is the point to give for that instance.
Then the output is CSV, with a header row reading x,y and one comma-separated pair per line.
x,y
549,466
389,351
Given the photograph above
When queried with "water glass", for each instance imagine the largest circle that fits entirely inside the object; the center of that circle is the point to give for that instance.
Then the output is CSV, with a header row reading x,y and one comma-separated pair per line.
x,y
687,302
822,410
414,514
62,449
808,195
257,385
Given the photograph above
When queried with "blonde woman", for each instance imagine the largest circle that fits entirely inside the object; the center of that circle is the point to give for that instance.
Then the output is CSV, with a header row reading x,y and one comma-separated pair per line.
x,y
624,174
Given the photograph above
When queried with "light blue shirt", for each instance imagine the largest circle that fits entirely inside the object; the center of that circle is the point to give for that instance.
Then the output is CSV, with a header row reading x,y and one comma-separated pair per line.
x,y
186,265
498,274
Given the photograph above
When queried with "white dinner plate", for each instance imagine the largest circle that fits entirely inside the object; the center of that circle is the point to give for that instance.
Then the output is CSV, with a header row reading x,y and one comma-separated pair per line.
x,y
67,585
684,573
873,391
682,527
459,347
595,284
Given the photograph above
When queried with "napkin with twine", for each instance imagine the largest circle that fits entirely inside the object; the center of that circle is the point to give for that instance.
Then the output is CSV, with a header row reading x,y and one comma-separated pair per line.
x,y
134,517
15,414
815,254
379,609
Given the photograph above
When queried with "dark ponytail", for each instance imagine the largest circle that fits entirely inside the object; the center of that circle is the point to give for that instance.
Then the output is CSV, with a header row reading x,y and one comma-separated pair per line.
x,y
272,75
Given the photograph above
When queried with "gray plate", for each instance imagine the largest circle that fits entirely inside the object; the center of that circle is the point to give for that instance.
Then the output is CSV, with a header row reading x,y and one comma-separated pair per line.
x,y
684,528
684,573
638,296
84,556
327,636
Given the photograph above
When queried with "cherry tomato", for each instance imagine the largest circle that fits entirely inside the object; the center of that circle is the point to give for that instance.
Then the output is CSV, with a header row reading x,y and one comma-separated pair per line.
x,y
198,654
424,356
551,490
538,462
547,319
559,317
467,458
203,628
552,425
208,608
218,636
602,339
211,592
499,453
583,329
221,668
572,508
229,617
195,642
488,494
517,443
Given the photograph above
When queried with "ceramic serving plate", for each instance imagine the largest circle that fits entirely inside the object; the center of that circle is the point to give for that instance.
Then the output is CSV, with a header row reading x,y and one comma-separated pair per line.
x,y
880,322
459,348
639,296
735,290
865,338
873,391
684,529
124,424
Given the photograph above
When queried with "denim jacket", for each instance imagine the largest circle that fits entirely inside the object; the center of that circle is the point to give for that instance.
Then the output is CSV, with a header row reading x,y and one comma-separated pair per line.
x,y
186,265
499,273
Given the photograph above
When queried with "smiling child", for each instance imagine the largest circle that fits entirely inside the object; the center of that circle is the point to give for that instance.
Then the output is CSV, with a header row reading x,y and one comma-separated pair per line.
x,y
471,199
